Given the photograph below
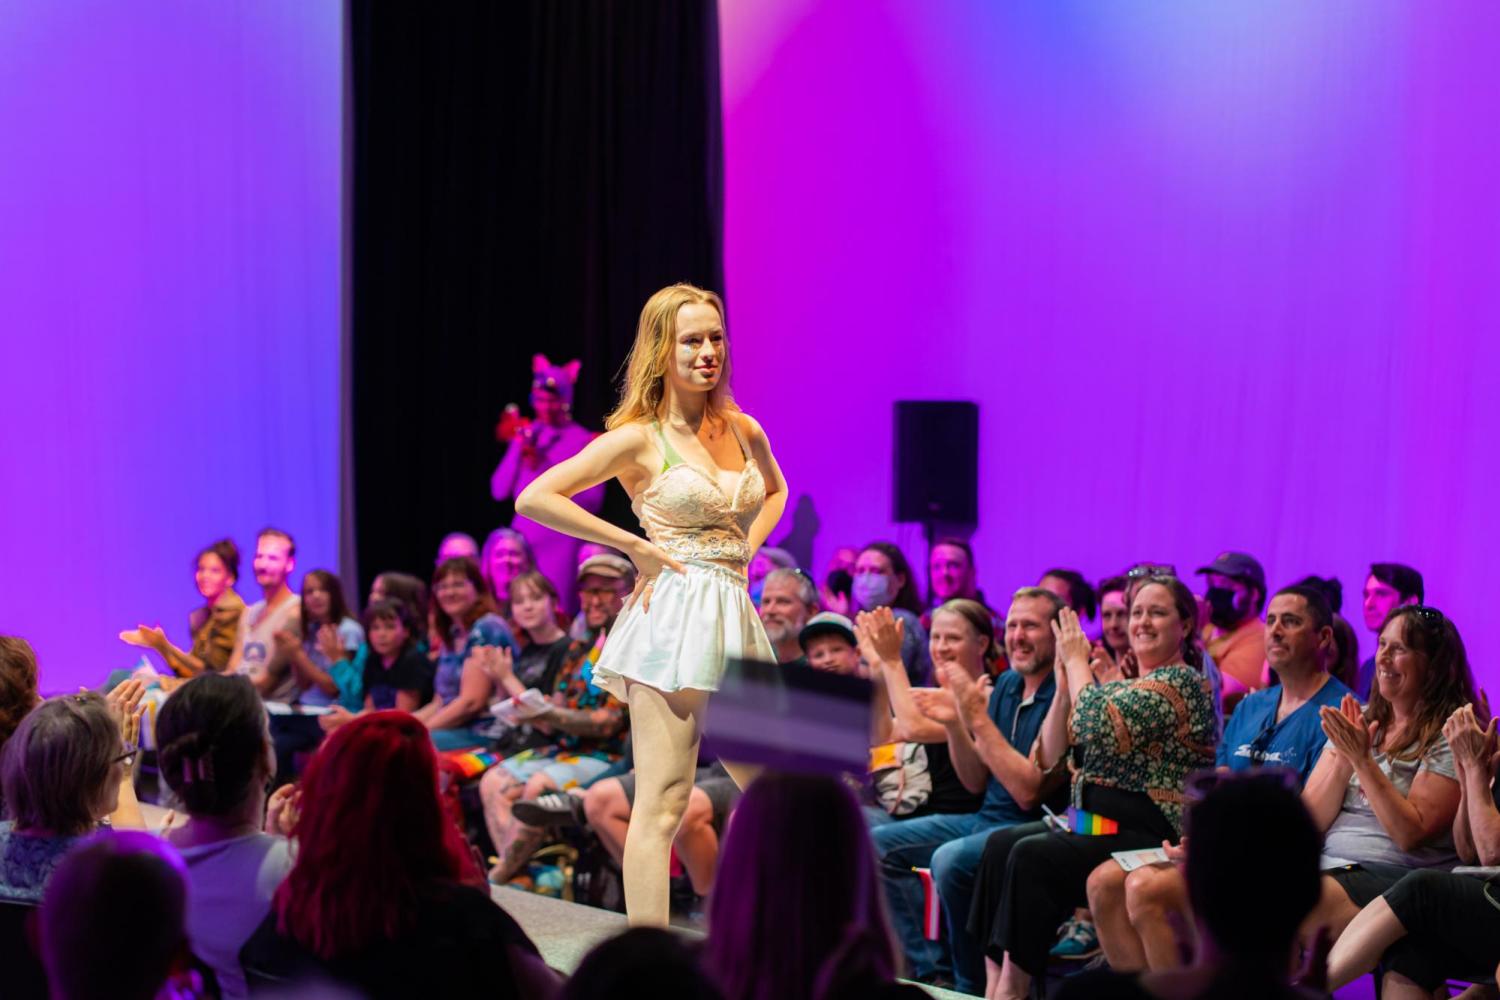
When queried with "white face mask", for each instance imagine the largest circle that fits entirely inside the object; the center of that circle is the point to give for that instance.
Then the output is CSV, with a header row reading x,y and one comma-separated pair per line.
x,y
873,590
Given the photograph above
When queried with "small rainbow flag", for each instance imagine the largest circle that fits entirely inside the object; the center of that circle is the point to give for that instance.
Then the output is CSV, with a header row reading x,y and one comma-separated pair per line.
x,y
471,763
1090,824
932,910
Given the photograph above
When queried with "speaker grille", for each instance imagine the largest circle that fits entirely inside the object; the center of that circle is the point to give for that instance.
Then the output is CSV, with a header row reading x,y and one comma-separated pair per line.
x,y
936,464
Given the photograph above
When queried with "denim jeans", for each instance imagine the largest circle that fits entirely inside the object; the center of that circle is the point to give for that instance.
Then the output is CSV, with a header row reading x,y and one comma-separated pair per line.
x,y
951,846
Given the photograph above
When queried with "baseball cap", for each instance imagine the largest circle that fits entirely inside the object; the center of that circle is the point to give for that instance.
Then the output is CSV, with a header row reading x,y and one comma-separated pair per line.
x,y
827,623
606,565
1238,565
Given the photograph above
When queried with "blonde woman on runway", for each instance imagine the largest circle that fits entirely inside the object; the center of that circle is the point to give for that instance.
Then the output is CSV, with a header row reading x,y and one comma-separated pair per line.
x,y
707,490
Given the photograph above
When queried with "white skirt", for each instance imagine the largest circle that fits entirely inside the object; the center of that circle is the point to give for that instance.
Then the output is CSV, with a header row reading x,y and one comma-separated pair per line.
x,y
697,621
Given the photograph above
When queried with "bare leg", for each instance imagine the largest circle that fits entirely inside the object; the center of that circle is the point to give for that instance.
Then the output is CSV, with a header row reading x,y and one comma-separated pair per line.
x,y
1334,910
698,842
991,978
1122,945
1151,895
1359,948
1395,986
665,728
521,841
742,774
497,790
1015,983
608,813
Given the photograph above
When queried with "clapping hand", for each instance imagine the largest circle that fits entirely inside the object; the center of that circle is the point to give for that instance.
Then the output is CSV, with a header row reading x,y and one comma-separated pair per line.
x,y
1073,647
286,641
880,636
329,643
336,716
497,662
1103,664
970,697
1472,745
938,705
147,636
1348,732
125,705
837,603
283,810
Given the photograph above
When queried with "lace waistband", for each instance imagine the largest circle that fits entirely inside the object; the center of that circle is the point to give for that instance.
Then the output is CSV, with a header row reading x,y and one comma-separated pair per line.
x,y
736,576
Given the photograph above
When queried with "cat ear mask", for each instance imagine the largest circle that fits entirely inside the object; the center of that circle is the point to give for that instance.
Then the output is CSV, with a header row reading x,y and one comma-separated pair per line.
x,y
557,380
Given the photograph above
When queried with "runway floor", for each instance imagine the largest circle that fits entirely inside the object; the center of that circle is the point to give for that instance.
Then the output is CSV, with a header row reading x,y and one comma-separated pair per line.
x,y
565,932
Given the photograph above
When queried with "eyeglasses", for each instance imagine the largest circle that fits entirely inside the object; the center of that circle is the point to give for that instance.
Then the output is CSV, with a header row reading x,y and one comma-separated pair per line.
x,y
601,593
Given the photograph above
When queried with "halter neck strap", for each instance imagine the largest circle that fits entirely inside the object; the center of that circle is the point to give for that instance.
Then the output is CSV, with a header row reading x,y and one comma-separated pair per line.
x,y
668,453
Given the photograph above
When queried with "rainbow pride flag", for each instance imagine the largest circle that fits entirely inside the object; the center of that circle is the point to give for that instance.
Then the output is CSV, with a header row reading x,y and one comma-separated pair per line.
x,y
1090,824
472,763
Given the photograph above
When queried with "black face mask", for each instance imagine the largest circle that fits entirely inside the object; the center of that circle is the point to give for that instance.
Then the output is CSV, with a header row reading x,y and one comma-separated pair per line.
x,y
1222,610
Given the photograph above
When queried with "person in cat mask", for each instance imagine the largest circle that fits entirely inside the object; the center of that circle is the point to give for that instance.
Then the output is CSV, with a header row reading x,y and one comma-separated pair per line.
x,y
1235,636
533,447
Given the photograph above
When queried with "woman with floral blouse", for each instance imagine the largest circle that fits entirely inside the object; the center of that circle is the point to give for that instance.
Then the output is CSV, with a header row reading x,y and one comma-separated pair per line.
x,y
1131,745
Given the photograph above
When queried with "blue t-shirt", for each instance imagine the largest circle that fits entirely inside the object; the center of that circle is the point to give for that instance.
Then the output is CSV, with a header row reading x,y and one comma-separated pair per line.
x,y
1253,737
1020,722
488,630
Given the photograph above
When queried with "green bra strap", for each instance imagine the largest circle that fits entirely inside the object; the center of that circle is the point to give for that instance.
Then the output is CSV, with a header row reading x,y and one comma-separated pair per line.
x,y
668,454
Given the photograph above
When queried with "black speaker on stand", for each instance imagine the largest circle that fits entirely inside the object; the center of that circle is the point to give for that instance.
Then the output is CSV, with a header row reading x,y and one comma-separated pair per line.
x,y
936,466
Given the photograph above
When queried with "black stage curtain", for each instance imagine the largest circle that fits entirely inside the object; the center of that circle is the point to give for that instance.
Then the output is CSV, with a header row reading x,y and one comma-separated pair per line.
x,y
524,175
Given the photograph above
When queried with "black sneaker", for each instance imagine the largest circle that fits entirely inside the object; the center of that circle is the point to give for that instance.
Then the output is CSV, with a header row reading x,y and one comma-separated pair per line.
x,y
552,809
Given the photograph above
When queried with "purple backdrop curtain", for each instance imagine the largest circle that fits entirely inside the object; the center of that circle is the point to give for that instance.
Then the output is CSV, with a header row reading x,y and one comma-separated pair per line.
x,y
169,268
1220,275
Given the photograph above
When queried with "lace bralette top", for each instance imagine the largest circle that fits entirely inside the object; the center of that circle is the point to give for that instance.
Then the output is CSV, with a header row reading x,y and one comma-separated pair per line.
x,y
688,514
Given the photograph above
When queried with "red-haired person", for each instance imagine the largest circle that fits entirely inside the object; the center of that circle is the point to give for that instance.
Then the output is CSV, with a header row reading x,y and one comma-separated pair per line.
x,y
18,693
382,897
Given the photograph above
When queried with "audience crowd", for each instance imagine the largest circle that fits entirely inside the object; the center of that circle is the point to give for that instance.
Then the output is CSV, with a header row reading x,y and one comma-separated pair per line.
x,y
1208,792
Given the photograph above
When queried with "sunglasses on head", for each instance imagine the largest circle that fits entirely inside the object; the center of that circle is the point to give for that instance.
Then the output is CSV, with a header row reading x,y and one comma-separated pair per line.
x,y
1150,569
1428,615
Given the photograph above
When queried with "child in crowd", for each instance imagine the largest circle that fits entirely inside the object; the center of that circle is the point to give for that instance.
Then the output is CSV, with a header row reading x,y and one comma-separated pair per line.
x,y
396,675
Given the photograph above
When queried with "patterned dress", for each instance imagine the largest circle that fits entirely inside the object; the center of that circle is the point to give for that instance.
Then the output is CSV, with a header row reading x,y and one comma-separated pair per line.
x,y
27,862
1146,735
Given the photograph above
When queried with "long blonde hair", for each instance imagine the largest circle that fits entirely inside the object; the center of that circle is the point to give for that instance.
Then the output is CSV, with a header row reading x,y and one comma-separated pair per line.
x,y
642,391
